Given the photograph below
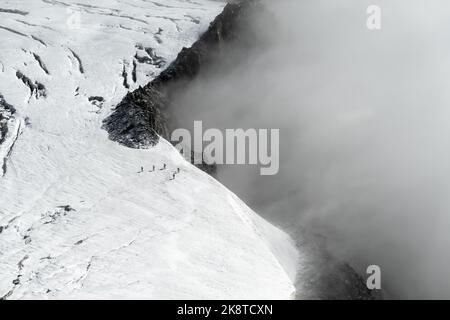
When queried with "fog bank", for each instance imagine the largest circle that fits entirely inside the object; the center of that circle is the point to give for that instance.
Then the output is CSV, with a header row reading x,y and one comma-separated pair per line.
x,y
364,119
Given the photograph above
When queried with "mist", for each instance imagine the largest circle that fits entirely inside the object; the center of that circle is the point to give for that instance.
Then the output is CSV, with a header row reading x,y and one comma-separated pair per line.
x,y
364,119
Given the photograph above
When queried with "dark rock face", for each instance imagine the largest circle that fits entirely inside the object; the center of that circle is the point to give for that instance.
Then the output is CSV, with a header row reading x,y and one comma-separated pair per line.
x,y
37,89
6,112
140,118
229,27
138,121
322,276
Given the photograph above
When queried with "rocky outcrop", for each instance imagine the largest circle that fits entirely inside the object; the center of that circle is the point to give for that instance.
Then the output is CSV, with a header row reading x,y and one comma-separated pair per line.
x,y
6,112
323,276
138,121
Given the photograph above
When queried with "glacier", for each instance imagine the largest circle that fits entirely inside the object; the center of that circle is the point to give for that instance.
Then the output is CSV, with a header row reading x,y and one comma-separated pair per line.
x,y
78,220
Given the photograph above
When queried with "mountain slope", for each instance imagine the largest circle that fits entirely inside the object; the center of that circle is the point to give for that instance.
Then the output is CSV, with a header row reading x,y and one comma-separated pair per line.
x,y
77,219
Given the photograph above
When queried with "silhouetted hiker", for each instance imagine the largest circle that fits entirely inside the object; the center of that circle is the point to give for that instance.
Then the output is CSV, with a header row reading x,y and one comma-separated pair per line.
x,y
142,170
164,167
153,169
173,176
178,170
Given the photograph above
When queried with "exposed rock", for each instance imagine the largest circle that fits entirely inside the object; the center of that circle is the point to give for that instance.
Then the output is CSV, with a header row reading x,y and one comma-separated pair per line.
x,y
6,112
322,276
138,121
37,89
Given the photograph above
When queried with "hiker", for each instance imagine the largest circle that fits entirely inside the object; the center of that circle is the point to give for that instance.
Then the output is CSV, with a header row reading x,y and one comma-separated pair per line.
x,y
164,167
173,176
153,169
178,170
142,170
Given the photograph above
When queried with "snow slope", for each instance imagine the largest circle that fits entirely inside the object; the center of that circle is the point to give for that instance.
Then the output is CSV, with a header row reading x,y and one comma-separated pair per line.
x,y
77,220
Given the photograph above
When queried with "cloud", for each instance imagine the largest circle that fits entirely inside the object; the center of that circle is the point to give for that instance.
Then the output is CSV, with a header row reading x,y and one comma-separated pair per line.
x,y
365,131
